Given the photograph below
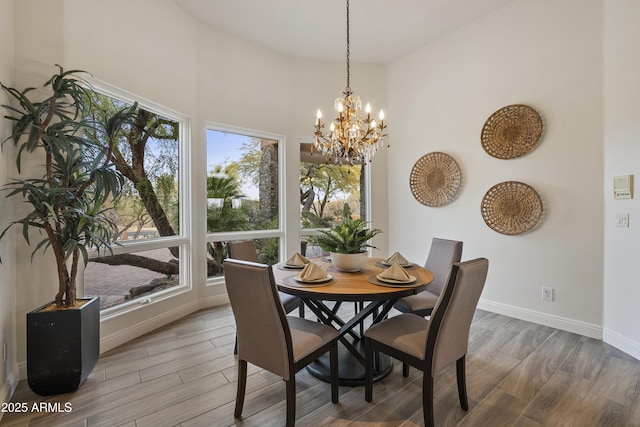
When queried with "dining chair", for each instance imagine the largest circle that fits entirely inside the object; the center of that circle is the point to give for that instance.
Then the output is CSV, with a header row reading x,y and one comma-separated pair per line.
x,y
442,255
270,339
434,343
246,250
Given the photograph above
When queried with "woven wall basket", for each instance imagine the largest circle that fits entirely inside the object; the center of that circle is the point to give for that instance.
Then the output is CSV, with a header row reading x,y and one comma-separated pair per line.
x,y
511,132
511,207
435,179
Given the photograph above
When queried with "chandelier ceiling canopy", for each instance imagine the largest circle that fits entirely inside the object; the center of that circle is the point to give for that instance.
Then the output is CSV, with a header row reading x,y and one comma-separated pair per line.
x,y
352,138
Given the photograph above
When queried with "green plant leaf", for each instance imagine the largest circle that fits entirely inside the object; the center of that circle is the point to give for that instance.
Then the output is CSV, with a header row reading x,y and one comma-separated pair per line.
x,y
79,178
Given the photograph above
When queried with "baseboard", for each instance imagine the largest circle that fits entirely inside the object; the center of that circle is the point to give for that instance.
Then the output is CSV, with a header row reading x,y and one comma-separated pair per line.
x,y
125,335
562,323
138,329
214,301
111,341
622,343
8,388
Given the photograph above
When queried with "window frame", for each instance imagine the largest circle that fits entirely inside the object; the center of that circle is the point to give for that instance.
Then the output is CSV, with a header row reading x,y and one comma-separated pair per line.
x,y
183,237
252,234
305,232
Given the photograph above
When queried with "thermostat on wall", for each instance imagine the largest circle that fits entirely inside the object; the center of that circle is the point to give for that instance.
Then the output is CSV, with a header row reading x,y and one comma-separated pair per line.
x,y
623,187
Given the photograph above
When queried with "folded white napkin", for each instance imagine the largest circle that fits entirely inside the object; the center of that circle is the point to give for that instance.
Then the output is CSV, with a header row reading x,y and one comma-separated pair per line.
x,y
395,272
297,260
396,257
312,272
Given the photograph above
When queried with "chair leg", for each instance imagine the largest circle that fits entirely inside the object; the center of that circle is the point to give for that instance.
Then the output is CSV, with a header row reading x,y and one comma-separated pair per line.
x,y
368,370
301,310
242,385
235,347
291,400
405,369
333,360
462,383
376,361
427,399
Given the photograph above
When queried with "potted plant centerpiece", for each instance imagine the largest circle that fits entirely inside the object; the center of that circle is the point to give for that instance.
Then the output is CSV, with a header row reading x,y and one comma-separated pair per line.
x,y
347,242
68,207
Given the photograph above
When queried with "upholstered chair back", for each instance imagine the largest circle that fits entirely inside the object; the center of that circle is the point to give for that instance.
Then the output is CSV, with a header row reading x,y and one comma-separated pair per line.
x,y
264,338
448,335
245,250
442,255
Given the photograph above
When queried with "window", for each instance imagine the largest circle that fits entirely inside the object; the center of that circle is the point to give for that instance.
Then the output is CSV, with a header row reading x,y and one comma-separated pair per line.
x,y
148,259
133,275
243,193
324,190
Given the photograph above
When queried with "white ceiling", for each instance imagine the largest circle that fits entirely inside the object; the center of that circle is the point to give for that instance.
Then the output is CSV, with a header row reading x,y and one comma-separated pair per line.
x,y
381,30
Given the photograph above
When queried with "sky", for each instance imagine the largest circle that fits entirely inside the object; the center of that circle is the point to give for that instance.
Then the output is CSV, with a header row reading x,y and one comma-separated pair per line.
x,y
224,148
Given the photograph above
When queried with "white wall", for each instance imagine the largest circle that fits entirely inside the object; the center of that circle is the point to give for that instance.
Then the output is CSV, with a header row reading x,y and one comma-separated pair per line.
x,y
150,50
195,71
35,55
622,154
546,54
316,86
8,368
138,56
247,86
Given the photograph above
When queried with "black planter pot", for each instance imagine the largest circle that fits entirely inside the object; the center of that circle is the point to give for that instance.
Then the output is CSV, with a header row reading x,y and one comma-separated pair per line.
x,y
62,347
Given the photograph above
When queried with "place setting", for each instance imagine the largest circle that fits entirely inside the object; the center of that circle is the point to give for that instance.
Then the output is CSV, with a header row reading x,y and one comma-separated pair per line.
x,y
396,258
395,276
295,262
312,275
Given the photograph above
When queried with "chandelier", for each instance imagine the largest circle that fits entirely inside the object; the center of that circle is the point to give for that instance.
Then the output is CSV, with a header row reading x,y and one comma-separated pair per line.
x,y
351,137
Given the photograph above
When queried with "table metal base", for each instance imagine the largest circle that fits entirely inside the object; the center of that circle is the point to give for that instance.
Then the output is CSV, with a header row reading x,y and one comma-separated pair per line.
x,y
350,370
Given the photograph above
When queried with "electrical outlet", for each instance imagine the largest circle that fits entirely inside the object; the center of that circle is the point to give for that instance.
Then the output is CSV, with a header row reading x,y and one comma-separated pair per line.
x,y
622,220
547,294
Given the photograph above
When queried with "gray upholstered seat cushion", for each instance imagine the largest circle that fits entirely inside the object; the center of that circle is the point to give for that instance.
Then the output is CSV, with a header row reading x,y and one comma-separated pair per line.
x,y
308,336
442,255
421,301
289,302
406,332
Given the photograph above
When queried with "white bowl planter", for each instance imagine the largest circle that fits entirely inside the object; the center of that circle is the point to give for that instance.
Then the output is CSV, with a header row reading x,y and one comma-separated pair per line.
x,y
349,262
215,202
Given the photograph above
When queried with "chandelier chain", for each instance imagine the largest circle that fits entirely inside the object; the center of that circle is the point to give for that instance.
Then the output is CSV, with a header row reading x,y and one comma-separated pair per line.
x,y
354,136
348,88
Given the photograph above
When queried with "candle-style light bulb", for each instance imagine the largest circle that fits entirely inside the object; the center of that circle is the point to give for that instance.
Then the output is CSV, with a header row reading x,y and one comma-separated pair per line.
x,y
367,108
340,107
381,115
319,114
332,127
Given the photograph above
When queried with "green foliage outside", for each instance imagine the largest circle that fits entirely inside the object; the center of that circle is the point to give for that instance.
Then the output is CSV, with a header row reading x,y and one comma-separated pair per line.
x,y
324,188
147,155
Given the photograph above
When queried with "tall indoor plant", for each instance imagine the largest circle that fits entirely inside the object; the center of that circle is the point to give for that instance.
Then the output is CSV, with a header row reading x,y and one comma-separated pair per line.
x,y
347,242
68,206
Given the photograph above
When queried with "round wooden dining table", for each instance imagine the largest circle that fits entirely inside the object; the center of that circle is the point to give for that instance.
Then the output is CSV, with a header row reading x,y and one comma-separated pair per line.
x,y
374,299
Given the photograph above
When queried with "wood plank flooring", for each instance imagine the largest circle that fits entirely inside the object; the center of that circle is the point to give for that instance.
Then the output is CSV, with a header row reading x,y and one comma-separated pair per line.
x,y
518,374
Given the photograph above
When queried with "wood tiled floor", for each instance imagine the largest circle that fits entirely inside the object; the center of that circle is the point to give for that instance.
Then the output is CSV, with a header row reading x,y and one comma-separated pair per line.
x,y
518,374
